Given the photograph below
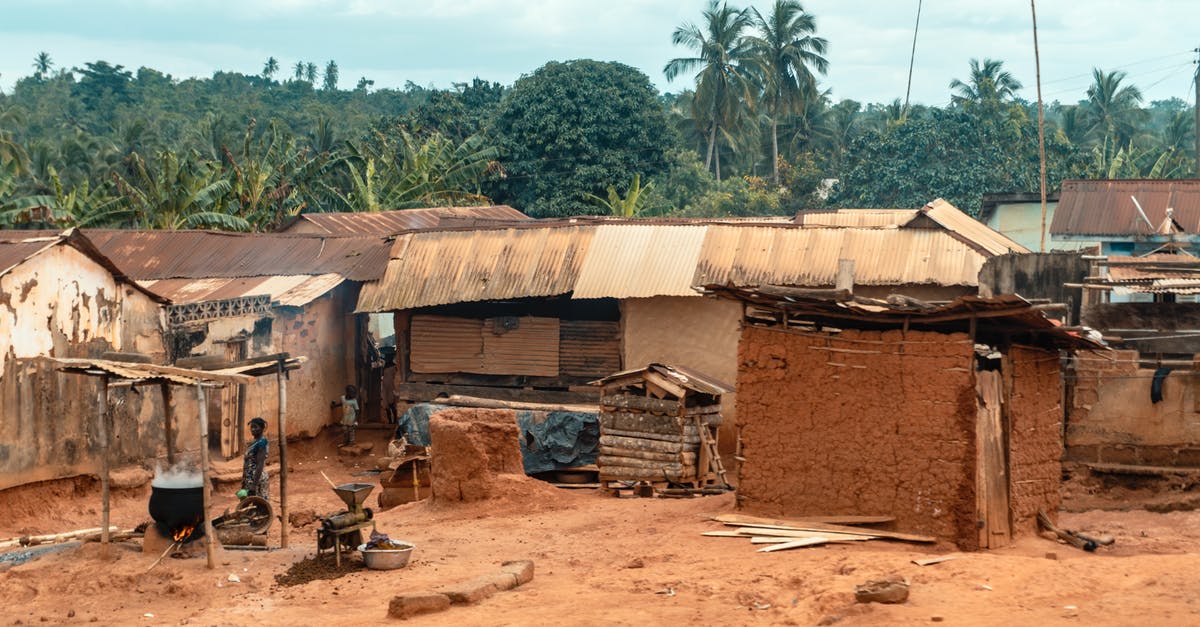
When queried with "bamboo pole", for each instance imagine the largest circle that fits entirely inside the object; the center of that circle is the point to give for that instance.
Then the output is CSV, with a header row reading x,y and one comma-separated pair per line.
x,y
204,474
104,479
168,428
280,377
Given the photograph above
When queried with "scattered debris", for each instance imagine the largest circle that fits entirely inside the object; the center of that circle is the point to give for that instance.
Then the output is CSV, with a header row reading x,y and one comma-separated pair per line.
x,y
667,591
792,534
930,561
1074,538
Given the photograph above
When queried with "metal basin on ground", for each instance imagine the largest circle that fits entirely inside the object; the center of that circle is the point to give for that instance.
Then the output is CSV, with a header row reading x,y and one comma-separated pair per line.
x,y
387,559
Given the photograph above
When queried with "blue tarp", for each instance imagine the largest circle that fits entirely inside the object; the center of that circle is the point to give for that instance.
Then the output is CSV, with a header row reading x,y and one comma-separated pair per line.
x,y
550,440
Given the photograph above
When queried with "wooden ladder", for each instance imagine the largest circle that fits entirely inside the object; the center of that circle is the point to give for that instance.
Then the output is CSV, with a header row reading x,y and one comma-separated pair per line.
x,y
709,444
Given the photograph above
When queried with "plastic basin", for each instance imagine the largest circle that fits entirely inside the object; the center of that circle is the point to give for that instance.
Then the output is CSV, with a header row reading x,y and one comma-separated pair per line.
x,y
386,559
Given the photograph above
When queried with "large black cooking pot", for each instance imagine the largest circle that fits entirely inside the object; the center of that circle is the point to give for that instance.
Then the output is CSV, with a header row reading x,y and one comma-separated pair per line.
x,y
174,508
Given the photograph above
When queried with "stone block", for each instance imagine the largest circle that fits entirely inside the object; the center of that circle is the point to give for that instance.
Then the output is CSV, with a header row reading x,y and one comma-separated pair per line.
x,y
522,569
468,592
502,581
406,605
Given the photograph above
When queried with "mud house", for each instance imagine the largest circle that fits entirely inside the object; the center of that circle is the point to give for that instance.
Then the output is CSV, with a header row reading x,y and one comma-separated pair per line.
x,y
239,296
534,310
947,417
63,298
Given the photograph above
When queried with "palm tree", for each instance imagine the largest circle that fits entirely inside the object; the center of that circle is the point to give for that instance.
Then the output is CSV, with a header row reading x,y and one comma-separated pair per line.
x,y
989,83
298,70
784,51
310,72
1112,111
42,65
724,83
270,68
331,76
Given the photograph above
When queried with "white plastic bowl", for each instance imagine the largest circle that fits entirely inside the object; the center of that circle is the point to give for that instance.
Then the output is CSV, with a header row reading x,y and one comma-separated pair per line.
x,y
387,559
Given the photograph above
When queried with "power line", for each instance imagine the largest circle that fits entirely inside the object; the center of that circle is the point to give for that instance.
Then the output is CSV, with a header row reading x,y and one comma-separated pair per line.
x,y
1120,67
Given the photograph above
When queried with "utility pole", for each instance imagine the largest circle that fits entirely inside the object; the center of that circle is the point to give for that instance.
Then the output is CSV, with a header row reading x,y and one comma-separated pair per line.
x,y
912,59
1196,109
1037,64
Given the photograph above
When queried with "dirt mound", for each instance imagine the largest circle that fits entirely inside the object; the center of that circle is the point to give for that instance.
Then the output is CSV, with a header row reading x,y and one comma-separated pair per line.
x,y
471,447
318,567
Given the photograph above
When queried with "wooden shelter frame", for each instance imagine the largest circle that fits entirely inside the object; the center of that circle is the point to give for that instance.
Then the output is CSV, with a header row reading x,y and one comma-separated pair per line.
x,y
120,374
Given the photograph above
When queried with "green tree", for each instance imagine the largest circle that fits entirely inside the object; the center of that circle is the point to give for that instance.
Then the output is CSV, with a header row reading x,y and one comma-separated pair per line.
x,y
270,68
42,65
632,204
725,85
298,70
1112,110
310,72
331,76
178,193
786,52
575,128
989,84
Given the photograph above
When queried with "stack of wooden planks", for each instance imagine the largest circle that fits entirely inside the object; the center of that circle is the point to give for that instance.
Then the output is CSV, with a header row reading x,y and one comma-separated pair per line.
x,y
780,535
647,439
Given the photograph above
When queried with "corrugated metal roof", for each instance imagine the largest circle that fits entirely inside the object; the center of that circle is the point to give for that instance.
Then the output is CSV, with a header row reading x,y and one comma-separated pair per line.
x,y
976,232
1161,286
1105,207
292,290
809,257
856,217
381,223
690,379
1152,267
440,267
150,255
14,250
640,261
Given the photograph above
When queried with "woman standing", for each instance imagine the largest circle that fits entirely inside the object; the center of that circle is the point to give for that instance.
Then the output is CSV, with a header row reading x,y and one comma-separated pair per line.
x,y
254,466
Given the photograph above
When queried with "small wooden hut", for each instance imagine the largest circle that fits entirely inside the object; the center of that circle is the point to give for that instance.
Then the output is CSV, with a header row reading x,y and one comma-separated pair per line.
x,y
658,424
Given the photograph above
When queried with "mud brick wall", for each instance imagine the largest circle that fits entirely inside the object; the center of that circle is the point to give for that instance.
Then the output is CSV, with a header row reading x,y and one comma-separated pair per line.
x,y
1035,436
865,422
1111,419
469,448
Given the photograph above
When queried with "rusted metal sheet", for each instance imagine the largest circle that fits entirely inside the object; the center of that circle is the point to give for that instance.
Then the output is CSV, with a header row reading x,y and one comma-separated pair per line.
x,y
381,223
1105,207
13,252
1153,267
525,345
445,344
440,267
978,233
809,257
684,377
859,218
589,348
290,291
640,261
148,255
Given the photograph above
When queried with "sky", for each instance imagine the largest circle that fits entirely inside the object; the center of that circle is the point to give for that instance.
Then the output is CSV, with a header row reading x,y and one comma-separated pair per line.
x,y
442,42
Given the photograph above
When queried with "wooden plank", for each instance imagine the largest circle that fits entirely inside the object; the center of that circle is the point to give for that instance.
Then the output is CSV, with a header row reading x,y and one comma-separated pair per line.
x,y
796,533
929,561
686,457
460,400
672,388
626,473
427,392
802,526
795,544
691,439
608,461
644,444
640,402
652,423
724,534
992,487
850,519
767,540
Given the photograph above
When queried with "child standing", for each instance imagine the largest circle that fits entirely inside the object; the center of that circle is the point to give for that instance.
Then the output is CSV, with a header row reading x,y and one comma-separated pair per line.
x,y
349,403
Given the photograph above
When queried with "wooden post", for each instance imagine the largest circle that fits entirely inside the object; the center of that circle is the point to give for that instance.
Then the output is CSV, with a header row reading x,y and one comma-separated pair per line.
x,y
845,276
204,474
104,486
283,468
168,422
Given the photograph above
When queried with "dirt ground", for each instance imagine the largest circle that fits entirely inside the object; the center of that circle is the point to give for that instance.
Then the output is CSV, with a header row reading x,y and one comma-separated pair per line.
x,y
598,560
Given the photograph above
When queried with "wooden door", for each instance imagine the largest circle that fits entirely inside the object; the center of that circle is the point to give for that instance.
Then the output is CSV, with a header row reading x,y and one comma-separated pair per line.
x,y
232,408
991,485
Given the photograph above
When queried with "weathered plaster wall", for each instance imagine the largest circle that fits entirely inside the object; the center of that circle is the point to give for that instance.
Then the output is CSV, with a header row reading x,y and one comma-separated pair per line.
x,y
1111,418
883,424
697,333
1035,436
60,303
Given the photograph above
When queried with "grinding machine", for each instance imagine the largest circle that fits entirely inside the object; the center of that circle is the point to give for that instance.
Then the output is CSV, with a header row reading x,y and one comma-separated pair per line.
x,y
344,529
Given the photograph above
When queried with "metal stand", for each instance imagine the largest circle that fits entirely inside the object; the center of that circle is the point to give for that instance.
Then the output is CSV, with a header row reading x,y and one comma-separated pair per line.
x,y
336,535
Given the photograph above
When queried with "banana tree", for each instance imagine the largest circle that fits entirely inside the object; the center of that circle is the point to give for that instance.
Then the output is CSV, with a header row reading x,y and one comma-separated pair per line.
x,y
179,193
632,204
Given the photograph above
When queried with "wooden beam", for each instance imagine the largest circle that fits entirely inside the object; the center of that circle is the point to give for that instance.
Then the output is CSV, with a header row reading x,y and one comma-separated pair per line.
x,y
164,388
281,426
206,487
104,479
427,392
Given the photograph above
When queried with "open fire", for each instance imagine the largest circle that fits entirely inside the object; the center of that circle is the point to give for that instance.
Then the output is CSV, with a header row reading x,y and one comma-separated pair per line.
x,y
184,533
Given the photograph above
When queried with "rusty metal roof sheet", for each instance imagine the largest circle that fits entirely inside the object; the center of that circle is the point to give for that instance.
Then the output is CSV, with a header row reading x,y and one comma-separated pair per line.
x,y
856,217
809,256
289,291
976,232
640,261
14,250
1152,267
151,255
382,223
439,267
1105,207
690,379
